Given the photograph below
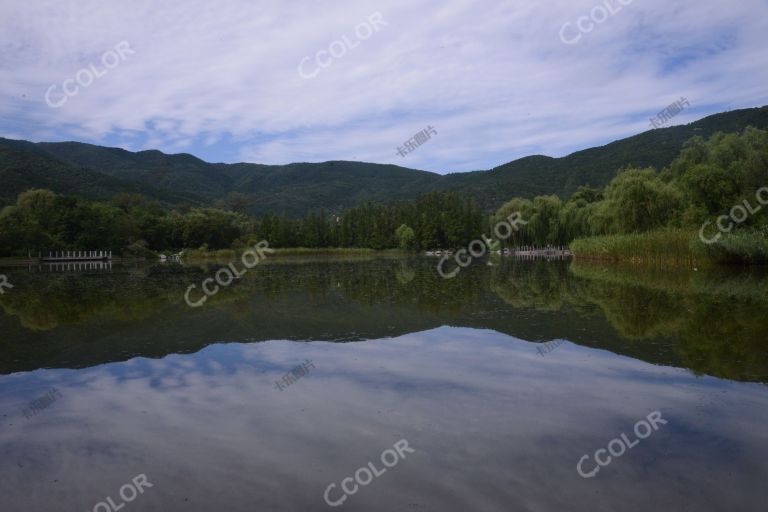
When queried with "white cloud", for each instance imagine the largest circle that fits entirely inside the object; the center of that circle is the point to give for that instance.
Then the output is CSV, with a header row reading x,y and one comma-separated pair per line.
x,y
494,77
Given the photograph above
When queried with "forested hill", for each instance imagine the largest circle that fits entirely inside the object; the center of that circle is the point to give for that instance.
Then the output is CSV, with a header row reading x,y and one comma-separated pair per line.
x,y
100,172
25,165
542,175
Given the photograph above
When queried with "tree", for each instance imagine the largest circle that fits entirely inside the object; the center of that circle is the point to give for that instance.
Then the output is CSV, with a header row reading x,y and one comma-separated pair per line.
x,y
237,202
544,224
406,237
636,200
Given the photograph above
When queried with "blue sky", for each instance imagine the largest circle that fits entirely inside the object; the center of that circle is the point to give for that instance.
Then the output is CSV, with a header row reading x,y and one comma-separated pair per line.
x,y
241,80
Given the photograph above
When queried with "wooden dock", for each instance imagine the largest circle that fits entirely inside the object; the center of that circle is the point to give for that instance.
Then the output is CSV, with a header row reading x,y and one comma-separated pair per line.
x,y
552,252
523,251
74,256
69,266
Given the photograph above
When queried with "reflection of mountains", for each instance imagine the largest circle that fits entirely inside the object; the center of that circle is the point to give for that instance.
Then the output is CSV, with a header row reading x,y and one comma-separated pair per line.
x,y
707,322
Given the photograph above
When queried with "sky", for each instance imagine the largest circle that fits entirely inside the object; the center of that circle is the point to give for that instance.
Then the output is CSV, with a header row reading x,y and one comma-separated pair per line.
x,y
281,81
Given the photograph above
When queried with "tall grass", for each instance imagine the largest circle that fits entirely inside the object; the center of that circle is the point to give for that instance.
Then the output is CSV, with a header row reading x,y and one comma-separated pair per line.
x,y
661,246
676,246
745,246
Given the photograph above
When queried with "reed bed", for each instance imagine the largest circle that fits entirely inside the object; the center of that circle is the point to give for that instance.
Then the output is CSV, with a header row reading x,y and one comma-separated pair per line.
x,y
668,246
676,246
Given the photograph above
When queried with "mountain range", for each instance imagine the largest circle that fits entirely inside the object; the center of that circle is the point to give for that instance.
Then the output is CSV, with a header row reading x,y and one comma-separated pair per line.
x,y
98,172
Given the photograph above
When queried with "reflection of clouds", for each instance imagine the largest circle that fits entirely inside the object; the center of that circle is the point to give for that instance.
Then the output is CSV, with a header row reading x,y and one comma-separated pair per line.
x,y
495,427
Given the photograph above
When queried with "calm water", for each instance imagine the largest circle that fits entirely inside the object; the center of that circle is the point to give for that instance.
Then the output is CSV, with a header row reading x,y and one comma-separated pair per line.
x,y
500,380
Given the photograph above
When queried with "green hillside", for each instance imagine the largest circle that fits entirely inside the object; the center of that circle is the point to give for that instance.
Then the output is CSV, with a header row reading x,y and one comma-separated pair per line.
x,y
100,172
541,175
24,165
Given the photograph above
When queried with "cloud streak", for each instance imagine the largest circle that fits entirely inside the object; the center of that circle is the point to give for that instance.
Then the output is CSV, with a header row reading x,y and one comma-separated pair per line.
x,y
221,80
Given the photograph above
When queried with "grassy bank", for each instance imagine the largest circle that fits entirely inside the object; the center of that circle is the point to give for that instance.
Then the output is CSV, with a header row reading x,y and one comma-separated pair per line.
x,y
675,246
724,282
745,246
663,246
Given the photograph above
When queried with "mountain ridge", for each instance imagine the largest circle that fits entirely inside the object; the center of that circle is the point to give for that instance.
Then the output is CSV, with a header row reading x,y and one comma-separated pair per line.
x,y
100,172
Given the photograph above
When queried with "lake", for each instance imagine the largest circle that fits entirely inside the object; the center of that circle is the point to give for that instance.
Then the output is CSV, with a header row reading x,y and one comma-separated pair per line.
x,y
372,384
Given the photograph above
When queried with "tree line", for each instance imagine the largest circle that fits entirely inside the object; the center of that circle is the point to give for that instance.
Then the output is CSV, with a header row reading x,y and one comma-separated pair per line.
x,y
705,181
132,224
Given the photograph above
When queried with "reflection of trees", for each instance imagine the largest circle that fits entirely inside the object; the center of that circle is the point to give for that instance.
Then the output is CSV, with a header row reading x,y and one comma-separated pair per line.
x,y
716,317
635,310
398,283
713,321
426,290
727,340
404,274
44,302
536,285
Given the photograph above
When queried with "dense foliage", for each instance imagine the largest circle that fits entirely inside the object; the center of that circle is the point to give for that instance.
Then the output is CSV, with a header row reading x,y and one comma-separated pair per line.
x,y
705,181
641,211
433,220
43,221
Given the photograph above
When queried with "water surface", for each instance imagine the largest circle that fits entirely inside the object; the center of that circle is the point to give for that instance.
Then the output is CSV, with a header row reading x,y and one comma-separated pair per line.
x,y
466,370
